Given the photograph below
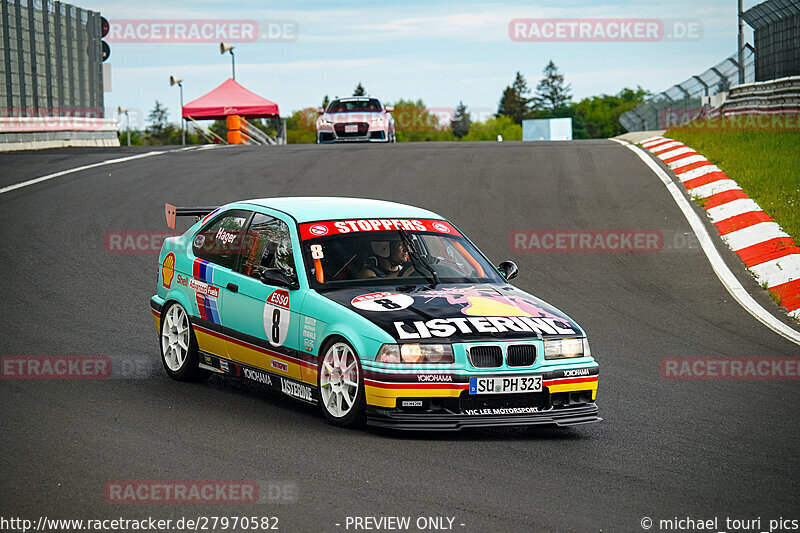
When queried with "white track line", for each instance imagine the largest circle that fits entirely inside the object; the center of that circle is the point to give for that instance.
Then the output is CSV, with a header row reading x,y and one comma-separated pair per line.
x,y
722,271
34,181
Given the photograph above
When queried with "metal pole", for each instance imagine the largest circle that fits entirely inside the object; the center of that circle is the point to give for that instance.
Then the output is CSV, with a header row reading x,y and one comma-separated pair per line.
x,y
741,45
183,122
233,64
128,117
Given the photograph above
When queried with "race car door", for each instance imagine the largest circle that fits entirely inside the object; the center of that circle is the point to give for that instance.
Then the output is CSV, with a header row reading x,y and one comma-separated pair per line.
x,y
263,319
215,250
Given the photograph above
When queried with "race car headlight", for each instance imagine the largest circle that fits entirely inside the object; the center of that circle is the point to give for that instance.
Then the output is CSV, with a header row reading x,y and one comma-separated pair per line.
x,y
564,348
416,353
377,120
323,122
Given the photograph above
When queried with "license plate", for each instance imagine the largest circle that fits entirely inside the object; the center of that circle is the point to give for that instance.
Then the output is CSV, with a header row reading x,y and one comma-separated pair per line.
x,y
351,128
505,384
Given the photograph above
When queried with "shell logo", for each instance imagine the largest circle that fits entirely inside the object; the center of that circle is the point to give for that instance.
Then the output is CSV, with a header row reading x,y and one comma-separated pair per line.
x,y
168,270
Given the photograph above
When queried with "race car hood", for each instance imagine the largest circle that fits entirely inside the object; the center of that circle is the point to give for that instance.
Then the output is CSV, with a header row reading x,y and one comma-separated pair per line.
x,y
456,313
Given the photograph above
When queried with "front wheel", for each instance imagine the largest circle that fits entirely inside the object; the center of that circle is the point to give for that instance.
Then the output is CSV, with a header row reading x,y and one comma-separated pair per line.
x,y
341,386
179,346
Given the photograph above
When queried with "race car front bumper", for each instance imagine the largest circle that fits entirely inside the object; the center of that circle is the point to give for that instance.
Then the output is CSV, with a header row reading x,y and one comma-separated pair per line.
x,y
427,421
375,136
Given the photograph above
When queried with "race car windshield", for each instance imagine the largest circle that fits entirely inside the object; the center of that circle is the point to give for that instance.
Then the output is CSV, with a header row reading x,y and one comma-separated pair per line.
x,y
383,258
347,106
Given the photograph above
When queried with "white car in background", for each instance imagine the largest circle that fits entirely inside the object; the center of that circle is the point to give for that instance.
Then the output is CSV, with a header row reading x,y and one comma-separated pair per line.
x,y
354,119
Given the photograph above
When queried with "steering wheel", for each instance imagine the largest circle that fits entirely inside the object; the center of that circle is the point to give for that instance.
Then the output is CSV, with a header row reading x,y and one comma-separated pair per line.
x,y
408,269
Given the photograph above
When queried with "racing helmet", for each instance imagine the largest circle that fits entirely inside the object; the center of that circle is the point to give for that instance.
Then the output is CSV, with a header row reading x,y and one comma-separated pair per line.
x,y
383,247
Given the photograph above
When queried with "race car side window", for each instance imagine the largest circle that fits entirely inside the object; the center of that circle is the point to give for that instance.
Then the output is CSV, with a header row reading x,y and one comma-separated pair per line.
x,y
267,244
220,241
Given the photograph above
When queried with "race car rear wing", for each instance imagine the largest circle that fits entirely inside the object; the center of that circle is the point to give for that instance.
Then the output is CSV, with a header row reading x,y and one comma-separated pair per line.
x,y
173,212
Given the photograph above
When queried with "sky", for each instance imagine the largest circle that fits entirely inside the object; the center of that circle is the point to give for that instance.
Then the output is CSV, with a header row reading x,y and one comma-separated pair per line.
x,y
441,52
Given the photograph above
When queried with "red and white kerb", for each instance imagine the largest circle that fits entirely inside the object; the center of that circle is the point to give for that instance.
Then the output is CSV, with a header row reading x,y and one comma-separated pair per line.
x,y
767,251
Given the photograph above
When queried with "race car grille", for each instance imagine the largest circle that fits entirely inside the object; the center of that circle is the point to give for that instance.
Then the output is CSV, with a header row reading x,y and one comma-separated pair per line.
x,y
520,355
502,401
485,356
363,128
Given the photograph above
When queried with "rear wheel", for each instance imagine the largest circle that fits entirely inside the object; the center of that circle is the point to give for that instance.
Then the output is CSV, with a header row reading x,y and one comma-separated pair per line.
x,y
179,346
341,386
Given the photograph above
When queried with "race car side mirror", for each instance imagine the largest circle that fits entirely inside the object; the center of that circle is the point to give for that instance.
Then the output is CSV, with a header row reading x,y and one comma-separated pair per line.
x,y
508,269
278,278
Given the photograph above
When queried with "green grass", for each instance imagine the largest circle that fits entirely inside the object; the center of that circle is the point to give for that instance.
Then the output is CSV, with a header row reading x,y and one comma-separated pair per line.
x,y
766,164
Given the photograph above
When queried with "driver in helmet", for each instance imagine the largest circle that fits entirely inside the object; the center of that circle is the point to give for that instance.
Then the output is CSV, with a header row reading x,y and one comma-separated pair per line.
x,y
390,255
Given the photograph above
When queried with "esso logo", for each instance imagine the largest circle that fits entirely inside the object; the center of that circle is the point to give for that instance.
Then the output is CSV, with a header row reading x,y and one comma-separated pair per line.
x,y
318,230
280,298
438,226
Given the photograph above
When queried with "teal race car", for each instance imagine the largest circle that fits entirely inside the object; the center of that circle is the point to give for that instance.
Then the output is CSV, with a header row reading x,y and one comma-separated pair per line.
x,y
376,311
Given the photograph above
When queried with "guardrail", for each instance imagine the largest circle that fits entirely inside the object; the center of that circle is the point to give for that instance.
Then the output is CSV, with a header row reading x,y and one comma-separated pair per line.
x,y
33,133
773,96
685,101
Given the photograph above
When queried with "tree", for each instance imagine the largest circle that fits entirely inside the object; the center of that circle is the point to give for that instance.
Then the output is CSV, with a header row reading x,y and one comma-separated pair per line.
x,y
160,131
461,122
359,90
515,102
489,130
413,122
301,126
551,93
158,120
325,101
601,113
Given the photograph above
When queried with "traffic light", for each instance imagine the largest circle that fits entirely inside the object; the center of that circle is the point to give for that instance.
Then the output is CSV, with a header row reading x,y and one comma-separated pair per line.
x,y
103,32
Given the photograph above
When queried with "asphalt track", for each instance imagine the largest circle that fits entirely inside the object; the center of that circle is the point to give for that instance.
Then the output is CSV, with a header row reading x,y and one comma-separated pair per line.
x,y
666,448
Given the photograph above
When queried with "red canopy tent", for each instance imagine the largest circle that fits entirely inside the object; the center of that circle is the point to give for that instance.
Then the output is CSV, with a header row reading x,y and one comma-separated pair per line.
x,y
230,98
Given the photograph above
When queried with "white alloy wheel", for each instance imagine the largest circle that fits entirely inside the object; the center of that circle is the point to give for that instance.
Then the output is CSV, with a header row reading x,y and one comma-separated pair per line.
x,y
339,380
175,338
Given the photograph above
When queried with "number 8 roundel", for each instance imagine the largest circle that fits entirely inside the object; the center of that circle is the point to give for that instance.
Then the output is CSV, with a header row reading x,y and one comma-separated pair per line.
x,y
276,317
382,301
